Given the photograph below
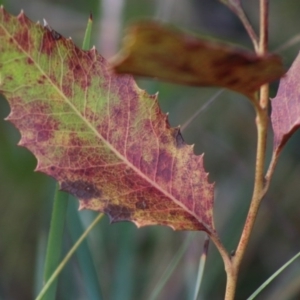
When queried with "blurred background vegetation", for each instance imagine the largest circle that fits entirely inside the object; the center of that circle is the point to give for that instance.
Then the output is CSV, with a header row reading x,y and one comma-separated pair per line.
x,y
127,261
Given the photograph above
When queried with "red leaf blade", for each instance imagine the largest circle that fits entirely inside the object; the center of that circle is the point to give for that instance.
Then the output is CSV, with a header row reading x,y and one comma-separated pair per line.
x,y
105,140
285,115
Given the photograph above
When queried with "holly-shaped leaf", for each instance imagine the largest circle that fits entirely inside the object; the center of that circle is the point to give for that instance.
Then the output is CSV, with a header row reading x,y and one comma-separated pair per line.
x,y
285,116
152,49
105,140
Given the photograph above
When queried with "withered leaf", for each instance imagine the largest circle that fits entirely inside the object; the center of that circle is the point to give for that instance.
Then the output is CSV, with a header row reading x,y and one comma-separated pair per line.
x,y
155,50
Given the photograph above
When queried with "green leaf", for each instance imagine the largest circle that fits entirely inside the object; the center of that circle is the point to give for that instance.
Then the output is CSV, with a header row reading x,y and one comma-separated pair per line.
x,y
88,32
154,50
105,140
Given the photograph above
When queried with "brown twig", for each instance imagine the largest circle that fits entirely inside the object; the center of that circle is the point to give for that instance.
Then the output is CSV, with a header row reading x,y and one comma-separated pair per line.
x,y
259,182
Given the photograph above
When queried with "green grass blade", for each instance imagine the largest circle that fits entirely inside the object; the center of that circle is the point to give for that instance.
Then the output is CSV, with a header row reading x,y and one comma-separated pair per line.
x,y
39,264
83,253
171,267
201,267
67,258
273,276
53,254
124,264
88,32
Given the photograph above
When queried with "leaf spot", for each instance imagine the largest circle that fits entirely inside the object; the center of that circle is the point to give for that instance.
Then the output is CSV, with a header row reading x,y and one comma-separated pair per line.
x,y
179,139
81,189
141,204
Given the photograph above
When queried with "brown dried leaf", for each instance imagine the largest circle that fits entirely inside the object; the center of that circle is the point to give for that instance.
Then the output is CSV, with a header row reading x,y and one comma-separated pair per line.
x,y
154,50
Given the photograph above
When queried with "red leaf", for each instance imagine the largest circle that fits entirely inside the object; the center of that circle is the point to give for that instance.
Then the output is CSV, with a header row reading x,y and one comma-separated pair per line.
x,y
285,116
105,140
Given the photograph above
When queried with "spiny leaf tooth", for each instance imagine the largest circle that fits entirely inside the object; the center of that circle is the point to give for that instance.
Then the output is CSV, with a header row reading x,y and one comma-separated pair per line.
x,y
81,206
9,118
21,144
37,168
22,16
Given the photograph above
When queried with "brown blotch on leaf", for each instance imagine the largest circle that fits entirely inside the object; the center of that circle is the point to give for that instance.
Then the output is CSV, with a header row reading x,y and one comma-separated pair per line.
x,y
186,68
142,203
232,60
173,213
118,212
179,138
56,36
191,44
233,81
81,189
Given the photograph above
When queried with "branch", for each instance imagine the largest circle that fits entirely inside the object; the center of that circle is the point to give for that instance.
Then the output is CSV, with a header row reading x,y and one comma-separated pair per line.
x,y
260,187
